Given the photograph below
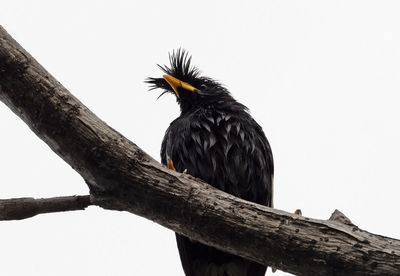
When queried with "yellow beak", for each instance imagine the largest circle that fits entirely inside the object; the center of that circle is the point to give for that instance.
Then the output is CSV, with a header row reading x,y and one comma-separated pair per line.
x,y
175,83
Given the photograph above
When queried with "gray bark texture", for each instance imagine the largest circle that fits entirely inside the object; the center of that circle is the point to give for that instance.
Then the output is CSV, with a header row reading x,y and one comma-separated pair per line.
x,y
123,177
22,208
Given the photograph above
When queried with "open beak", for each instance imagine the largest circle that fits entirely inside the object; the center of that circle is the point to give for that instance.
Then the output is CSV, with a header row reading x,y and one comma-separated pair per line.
x,y
175,83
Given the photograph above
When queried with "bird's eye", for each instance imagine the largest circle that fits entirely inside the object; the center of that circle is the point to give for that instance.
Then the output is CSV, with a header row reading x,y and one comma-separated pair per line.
x,y
203,87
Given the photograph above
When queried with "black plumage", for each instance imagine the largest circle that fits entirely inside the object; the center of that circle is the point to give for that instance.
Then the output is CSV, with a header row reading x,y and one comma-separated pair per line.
x,y
217,140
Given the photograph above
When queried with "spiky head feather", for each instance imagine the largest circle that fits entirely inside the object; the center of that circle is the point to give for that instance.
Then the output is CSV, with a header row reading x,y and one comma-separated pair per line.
x,y
181,68
208,91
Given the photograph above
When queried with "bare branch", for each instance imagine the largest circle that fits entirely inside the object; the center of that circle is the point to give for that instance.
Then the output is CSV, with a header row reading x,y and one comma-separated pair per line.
x,y
22,208
122,177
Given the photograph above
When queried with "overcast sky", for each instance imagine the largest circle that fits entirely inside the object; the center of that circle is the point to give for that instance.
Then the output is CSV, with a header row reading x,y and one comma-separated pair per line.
x,y
321,77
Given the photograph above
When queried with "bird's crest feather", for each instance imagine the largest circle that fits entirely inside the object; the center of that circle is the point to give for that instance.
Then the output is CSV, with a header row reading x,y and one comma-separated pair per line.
x,y
180,67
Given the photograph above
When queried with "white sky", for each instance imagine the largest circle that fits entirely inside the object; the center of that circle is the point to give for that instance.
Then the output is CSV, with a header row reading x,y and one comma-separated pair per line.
x,y
321,77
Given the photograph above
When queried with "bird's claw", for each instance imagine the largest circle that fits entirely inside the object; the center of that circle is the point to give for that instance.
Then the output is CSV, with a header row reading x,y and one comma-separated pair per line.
x,y
171,164
172,167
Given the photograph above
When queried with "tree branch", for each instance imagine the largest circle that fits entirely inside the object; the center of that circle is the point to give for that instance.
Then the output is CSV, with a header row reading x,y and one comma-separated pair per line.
x,y
123,177
22,208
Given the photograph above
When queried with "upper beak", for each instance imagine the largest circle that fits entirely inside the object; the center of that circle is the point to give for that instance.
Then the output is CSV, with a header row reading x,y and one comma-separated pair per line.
x,y
175,83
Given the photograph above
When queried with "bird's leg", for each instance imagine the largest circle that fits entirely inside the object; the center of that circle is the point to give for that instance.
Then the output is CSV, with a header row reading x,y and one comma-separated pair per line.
x,y
172,167
170,164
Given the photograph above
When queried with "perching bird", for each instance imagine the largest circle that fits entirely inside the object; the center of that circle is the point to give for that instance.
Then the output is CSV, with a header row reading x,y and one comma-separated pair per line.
x,y
215,139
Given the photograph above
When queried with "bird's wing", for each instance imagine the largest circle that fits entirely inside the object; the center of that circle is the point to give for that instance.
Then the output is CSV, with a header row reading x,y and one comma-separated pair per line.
x,y
230,154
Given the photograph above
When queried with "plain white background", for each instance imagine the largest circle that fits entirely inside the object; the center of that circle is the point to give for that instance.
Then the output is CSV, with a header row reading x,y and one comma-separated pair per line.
x,y
321,77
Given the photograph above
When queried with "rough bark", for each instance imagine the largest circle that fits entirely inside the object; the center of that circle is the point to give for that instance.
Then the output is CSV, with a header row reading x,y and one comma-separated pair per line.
x,y
22,208
123,177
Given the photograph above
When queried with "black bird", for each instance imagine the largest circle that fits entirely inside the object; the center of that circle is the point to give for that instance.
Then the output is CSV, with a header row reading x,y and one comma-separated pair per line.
x,y
215,139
